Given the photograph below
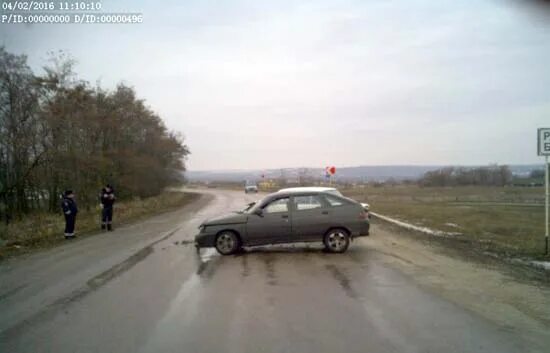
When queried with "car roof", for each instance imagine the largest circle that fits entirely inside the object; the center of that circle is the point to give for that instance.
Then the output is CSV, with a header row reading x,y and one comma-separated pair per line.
x,y
299,191
305,189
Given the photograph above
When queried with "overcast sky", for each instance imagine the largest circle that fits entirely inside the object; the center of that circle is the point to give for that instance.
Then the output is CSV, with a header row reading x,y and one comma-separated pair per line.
x,y
266,84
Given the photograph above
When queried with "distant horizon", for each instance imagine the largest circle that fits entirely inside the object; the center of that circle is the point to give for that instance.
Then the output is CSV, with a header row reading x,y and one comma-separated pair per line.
x,y
371,165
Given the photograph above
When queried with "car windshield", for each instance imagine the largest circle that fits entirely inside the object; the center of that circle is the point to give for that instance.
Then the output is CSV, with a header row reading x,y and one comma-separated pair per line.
x,y
248,207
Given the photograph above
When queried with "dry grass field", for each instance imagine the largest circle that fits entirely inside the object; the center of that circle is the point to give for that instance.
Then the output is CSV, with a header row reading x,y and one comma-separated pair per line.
x,y
506,220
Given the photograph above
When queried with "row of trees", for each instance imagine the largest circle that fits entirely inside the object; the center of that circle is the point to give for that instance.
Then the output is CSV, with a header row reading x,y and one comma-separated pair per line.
x,y
59,132
451,176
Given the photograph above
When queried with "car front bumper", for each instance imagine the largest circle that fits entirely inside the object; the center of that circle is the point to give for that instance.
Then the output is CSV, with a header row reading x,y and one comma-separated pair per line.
x,y
205,240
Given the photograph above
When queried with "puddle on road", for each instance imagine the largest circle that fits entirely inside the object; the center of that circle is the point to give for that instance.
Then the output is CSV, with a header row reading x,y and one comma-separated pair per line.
x,y
207,255
245,272
269,262
183,310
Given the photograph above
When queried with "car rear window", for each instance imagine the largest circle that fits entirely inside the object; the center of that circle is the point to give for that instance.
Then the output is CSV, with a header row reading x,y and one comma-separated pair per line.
x,y
334,201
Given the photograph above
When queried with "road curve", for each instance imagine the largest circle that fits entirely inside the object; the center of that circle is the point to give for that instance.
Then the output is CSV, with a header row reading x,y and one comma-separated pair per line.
x,y
143,288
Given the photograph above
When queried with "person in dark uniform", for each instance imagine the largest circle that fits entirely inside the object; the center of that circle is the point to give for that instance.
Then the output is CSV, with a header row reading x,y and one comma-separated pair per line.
x,y
70,210
107,198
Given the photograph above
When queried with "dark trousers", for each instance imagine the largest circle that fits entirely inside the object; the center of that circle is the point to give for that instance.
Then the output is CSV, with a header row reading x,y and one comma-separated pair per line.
x,y
107,215
69,224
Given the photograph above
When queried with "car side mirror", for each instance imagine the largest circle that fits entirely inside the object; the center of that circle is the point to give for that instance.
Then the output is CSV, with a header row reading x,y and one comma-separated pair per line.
x,y
259,212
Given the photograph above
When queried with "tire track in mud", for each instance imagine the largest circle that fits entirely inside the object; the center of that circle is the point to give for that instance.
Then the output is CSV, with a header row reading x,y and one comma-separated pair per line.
x,y
342,279
11,292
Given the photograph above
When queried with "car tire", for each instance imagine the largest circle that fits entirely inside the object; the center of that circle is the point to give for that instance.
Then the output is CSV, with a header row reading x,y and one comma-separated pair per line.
x,y
336,240
227,243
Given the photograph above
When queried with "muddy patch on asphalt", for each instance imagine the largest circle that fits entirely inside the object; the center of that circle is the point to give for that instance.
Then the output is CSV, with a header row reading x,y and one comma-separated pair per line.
x,y
183,242
360,256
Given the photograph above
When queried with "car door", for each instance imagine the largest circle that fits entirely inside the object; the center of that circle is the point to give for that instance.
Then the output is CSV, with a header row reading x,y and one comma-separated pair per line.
x,y
310,217
272,226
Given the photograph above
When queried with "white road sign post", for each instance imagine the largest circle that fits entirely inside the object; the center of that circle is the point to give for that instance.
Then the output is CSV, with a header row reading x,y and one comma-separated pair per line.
x,y
543,147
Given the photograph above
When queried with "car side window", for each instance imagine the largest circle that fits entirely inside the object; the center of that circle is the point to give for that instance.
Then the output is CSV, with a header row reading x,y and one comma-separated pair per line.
x,y
334,201
277,206
309,202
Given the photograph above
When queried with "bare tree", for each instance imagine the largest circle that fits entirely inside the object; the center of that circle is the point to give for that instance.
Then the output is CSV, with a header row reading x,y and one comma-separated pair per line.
x,y
57,131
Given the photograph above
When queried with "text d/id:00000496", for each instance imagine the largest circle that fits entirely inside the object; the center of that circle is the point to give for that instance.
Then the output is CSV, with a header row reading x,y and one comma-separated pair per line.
x,y
84,18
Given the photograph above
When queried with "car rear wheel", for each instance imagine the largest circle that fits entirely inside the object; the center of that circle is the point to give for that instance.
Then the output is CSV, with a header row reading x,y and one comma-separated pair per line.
x,y
227,243
336,240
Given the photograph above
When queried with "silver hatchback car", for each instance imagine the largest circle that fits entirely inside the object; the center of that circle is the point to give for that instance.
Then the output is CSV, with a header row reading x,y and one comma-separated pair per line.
x,y
288,216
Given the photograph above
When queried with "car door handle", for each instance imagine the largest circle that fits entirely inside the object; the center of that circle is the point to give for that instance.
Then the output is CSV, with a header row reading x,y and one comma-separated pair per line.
x,y
324,212
284,216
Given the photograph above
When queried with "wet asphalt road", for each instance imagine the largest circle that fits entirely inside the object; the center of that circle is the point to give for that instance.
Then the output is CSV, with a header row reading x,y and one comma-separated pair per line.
x,y
143,288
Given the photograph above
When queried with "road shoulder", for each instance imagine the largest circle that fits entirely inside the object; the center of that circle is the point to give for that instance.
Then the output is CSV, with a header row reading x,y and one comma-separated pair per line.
x,y
515,297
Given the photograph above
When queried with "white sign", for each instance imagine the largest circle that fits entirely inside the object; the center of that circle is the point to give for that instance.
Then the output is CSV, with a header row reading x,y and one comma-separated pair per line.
x,y
543,146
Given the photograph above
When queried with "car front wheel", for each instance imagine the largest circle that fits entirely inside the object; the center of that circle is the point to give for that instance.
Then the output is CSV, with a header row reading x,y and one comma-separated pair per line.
x,y
336,240
227,243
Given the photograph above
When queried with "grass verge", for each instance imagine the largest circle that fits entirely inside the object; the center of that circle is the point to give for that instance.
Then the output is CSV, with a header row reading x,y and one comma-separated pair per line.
x,y
43,230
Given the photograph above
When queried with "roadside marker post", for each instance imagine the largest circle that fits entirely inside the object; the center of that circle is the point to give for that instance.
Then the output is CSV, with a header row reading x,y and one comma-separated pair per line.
x,y
543,149
547,207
